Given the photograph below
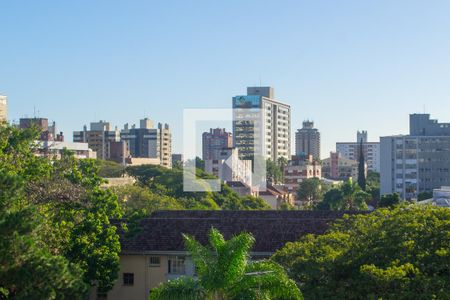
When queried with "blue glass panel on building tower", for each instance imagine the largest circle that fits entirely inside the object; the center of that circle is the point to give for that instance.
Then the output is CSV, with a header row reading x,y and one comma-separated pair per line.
x,y
251,101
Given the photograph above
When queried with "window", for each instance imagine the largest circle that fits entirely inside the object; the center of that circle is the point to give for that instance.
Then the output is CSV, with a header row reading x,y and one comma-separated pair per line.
x,y
175,265
155,261
128,278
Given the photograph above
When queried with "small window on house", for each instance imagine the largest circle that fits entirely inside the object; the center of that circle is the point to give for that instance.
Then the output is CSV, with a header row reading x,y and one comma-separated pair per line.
x,y
175,265
128,278
155,261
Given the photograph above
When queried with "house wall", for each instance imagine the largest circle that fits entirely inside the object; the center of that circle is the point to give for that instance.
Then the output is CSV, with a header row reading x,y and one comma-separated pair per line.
x,y
146,277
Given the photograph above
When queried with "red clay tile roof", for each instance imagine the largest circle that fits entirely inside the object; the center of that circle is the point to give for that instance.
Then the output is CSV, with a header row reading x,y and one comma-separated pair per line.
x,y
271,229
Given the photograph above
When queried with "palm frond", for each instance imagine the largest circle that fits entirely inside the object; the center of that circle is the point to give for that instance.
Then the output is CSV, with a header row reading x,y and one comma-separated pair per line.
x,y
265,279
185,288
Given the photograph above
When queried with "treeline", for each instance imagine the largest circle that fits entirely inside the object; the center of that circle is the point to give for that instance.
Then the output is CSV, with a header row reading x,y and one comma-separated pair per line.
x,y
159,188
317,195
401,252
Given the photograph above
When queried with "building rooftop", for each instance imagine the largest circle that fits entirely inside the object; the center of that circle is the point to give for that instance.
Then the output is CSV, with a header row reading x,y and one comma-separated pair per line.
x,y
272,229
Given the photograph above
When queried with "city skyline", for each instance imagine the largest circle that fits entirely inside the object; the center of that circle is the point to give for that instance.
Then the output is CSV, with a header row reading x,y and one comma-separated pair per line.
x,y
348,66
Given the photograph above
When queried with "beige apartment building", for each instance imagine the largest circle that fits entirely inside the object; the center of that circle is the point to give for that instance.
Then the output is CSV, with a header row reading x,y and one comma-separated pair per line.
x,y
157,254
3,109
98,137
165,145
337,167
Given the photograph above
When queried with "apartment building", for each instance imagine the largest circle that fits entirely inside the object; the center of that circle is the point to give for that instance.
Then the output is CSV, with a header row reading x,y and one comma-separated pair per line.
x,y
214,141
3,109
261,124
418,162
98,137
228,167
55,149
149,142
337,167
300,168
371,151
307,140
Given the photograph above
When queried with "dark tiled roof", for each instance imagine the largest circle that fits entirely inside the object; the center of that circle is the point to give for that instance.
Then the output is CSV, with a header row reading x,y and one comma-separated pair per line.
x,y
271,229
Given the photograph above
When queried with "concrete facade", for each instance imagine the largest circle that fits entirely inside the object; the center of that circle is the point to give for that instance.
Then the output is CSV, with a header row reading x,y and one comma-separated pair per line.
x,y
149,142
299,169
270,133
214,141
418,162
414,164
371,151
98,137
54,149
228,167
3,108
337,167
307,140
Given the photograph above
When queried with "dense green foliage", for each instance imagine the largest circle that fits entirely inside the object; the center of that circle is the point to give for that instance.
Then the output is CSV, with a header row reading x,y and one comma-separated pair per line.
x,y
275,170
347,196
373,187
110,169
156,184
310,192
225,272
400,253
390,200
424,196
54,222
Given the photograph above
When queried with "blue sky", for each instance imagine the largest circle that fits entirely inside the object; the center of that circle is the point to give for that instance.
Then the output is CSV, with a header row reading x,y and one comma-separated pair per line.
x,y
347,65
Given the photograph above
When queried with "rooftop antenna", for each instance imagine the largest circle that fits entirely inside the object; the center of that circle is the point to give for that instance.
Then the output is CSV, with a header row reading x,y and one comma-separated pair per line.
x,y
34,112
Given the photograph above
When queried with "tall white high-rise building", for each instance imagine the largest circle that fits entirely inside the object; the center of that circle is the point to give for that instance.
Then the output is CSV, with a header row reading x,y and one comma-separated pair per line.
x,y
3,109
269,134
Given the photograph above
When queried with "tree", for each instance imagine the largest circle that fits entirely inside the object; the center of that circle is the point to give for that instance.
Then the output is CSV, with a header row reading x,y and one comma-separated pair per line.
x,y
110,169
74,203
254,203
66,213
138,199
389,200
169,183
373,178
274,171
348,196
29,268
424,196
225,272
399,253
361,168
199,163
309,191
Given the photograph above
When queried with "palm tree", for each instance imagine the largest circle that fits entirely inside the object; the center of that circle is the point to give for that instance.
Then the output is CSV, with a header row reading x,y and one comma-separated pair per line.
x,y
224,272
